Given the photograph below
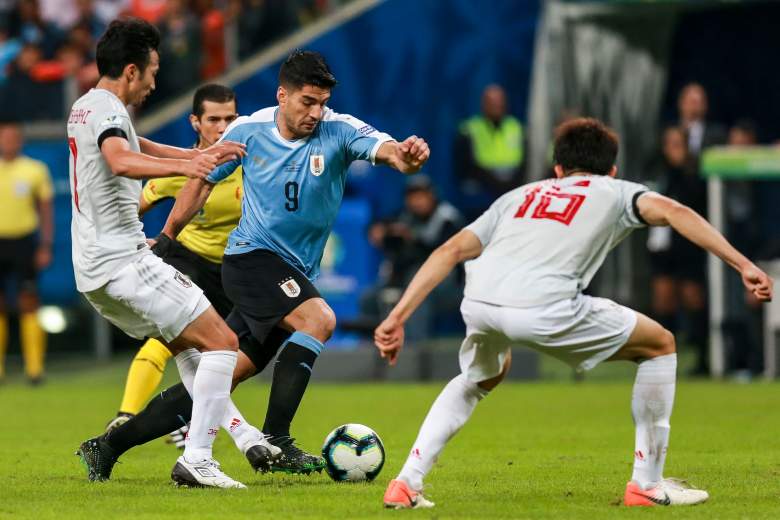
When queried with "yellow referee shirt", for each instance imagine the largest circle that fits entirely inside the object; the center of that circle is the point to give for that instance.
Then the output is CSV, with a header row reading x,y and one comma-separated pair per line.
x,y
207,233
23,182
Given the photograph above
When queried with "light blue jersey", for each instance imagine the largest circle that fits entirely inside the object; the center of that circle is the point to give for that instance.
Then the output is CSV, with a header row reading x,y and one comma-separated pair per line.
x,y
293,189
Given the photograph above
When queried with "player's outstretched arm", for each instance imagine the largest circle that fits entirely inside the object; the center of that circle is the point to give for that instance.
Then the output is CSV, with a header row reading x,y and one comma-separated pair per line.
x,y
124,162
406,157
189,201
389,335
658,210
164,151
223,151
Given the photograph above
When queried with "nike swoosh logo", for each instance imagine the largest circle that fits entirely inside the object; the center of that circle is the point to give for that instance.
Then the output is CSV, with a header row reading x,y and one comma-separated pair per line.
x,y
665,501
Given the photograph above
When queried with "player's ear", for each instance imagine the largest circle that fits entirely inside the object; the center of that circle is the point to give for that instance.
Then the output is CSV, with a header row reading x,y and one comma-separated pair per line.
x,y
281,95
558,169
613,172
130,72
195,123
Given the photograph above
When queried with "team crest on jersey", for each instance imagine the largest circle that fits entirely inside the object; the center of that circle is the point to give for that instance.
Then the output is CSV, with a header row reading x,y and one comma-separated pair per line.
x,y
317,164
290,287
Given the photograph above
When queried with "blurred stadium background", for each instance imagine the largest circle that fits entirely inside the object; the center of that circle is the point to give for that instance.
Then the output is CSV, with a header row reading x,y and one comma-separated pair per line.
x,y
423,66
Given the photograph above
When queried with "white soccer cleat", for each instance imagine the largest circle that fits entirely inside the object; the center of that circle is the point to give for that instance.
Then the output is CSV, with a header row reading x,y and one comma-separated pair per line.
x,y
205,473
668,492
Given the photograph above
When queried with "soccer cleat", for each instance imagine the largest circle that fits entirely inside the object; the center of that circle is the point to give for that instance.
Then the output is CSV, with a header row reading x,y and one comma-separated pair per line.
x,y
205,473
668,492
177,437
261,454
97,458
293,459
120,419
400,496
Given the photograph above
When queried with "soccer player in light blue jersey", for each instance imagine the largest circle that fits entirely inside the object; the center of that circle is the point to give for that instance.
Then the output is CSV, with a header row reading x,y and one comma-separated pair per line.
x,y
294,175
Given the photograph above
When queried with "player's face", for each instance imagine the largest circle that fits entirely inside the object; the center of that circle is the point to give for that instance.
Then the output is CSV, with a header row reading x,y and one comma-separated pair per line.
x,y
303,108
142,84
215,119
10,141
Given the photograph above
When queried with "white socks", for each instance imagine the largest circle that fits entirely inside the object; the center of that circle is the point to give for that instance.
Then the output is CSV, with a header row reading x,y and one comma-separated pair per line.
x,y
651,407
243,433
446,417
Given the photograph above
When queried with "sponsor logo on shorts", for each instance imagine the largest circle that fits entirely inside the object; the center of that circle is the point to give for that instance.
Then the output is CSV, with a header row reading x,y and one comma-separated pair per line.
x,y
183,280
290,287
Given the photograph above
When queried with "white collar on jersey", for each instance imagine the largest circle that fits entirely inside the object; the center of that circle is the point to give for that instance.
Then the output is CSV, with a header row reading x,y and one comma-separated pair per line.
x,y
296,143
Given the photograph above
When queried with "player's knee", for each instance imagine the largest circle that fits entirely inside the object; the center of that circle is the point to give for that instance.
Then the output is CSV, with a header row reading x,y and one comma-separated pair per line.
x,y
667,344
323,325
222,338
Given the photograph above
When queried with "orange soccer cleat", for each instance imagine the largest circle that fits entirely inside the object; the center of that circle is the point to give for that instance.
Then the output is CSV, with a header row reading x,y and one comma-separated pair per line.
x,y
400,496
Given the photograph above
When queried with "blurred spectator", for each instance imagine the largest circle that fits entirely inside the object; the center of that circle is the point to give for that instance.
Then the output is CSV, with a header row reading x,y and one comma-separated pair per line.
x,y
62,13
180,51
263,21
743,324
406,241
9,50
150,10
33,30
107,10
88,19
692,105
679,266
25,244
212,28
489,153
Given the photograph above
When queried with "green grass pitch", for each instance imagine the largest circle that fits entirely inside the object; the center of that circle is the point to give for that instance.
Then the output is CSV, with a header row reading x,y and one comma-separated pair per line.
x,y
532,450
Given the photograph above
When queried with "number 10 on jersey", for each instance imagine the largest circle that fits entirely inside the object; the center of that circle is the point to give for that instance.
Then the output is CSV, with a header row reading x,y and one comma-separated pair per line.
x,y
551,196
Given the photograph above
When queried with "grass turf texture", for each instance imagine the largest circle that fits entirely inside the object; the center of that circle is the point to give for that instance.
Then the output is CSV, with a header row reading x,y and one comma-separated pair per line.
x,y
533,450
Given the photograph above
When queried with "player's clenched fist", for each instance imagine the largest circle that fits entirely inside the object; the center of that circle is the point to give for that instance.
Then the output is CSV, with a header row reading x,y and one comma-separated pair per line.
x,y
389,338
199,166
758,282
413,152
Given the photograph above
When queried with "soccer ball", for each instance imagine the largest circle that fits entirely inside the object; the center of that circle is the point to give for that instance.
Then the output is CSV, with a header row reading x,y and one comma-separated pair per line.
x,y
353,453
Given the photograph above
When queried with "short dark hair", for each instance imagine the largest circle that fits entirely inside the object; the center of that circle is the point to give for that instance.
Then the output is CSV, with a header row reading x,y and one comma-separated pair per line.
x,y
126,41
306,68
211,92
585,145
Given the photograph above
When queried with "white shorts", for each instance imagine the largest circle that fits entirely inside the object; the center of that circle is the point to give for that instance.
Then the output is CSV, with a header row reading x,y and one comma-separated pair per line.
x,y
149,298
582,332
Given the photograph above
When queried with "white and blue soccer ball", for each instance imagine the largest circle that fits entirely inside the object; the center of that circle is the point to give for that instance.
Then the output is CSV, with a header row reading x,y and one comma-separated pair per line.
x,y
353,453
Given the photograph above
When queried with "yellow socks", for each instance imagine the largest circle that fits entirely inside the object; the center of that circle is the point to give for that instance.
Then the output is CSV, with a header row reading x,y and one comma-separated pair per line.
x,y
3,342
145,374
33,344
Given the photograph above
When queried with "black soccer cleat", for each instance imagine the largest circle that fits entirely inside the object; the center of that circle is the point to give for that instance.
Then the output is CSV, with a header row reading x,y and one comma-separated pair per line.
x,y
260,458
294,460
97,458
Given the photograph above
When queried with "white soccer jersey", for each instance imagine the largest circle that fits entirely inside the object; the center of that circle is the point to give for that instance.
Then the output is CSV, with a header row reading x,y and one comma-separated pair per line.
x,y
105,229
545,241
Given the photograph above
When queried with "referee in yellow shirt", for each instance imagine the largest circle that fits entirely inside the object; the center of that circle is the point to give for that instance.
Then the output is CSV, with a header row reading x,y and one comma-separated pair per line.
x,y
25,244
199,248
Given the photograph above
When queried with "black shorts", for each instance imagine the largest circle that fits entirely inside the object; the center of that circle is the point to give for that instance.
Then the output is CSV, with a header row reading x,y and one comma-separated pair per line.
x,y
264,289
259,353
206,275
17,261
